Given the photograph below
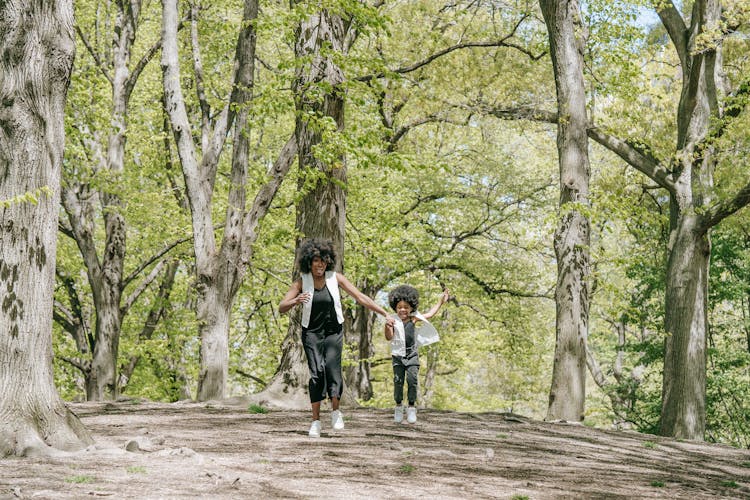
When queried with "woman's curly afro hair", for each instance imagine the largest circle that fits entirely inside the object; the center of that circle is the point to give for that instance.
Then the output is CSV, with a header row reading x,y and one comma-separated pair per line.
x,y
316,247
407,293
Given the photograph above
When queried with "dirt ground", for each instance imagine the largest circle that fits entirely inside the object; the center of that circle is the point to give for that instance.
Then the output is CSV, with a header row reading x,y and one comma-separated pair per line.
x,y
223,451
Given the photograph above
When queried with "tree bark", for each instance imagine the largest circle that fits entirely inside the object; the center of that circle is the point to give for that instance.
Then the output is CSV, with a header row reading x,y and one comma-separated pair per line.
x,y
571,241
37,51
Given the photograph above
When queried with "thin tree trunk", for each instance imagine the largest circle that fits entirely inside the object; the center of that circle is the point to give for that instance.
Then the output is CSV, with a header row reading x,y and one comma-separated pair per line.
x,y
358,337
38,50
571,242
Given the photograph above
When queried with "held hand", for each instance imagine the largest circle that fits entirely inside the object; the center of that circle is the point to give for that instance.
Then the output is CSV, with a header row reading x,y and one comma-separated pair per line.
x,y
446,296
301,298
389,322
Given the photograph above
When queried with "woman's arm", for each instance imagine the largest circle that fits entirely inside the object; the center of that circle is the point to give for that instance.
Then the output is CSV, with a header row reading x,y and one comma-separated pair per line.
x,y
443,299
293,297
360,297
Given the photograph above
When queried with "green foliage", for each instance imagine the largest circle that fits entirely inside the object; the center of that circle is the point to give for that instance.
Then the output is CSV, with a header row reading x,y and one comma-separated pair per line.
x,y
27,197
253,408
80,479
136,469
406,469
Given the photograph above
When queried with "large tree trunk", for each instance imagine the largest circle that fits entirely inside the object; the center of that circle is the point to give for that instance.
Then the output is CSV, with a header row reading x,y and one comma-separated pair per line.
x,y
321,212
683,413
568,391
686,321
36,50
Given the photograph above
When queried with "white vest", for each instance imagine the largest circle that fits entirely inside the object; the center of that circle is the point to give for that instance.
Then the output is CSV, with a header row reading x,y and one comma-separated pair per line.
x,y
425,335
308,286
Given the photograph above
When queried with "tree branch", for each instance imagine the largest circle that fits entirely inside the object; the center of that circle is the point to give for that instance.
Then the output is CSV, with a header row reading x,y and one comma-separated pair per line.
x,y
465,45
640,160
724,210
83,366
139,67
251,377
99,64
676,28
636,156
141,288
153,259
488,288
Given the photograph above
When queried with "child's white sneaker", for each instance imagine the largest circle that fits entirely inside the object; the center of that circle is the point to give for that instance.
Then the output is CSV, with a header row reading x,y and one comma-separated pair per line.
x,y
398,414
314,429
411,414
337,420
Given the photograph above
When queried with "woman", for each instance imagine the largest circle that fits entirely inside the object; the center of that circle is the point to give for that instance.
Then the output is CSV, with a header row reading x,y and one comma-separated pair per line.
x,y
322,324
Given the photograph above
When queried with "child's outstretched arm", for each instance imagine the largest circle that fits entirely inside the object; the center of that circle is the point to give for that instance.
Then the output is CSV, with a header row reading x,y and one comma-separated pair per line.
x,y
443,299
388,331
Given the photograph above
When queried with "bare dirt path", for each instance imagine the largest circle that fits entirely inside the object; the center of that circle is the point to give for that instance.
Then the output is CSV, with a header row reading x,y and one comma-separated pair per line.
x,y
222,451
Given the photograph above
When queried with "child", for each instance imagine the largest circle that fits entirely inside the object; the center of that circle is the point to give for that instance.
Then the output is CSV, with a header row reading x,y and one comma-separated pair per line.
x,y
406,337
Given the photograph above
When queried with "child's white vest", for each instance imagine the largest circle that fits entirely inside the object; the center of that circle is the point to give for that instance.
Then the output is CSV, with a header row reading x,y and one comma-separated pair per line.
x,y
308,286
425,335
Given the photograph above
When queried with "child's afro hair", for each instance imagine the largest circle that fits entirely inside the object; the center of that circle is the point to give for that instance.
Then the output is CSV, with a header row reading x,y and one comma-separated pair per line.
x,y
316,247
407,293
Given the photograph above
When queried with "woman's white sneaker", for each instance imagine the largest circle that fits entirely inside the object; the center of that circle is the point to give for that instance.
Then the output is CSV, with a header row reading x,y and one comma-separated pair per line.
x,y
314,429
337,420
411,414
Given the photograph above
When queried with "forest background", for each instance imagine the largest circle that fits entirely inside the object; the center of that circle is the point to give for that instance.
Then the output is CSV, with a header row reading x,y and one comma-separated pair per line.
x,y
447,185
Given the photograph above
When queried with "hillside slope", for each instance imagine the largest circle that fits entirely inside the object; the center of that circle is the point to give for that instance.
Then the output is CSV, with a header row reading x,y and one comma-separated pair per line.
x,y
221,450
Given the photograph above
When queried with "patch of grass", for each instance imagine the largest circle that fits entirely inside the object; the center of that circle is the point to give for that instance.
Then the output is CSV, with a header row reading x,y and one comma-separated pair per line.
x,y
519,497
657,484
502,435
649,444
406,469
745,464
253,408
79,479
730,484
136,469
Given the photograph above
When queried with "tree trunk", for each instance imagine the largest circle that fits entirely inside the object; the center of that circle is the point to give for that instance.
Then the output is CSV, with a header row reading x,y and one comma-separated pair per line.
x,y
219,271
686,321
37,49
359,339
683,413
571,242
105,271
214,312
322,211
